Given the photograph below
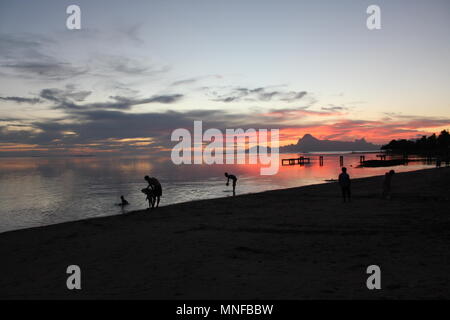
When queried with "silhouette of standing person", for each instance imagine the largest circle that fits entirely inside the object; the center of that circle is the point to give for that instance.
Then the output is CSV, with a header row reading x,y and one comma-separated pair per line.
x,y
155,186
345,182
387,184
234,179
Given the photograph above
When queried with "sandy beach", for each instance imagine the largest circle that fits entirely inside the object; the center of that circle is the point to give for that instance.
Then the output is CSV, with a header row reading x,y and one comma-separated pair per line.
x,y
299,243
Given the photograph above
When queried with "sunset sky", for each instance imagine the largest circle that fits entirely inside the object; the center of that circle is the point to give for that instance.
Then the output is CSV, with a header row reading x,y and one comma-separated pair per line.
x,y
137,70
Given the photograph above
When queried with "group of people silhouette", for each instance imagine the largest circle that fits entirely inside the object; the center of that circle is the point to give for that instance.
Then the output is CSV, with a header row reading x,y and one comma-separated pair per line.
x,y
345,184
153,191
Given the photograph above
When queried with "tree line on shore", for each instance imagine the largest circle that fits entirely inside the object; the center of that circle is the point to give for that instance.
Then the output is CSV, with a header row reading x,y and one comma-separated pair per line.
x,y
431,145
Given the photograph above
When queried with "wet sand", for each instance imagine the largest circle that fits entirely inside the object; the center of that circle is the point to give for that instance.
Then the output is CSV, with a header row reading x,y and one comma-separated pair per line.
x,y
299,243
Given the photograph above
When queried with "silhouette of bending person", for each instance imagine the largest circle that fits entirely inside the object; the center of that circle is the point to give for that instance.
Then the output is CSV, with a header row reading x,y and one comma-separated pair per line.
x,y
155,188
345,182
234,179
387,184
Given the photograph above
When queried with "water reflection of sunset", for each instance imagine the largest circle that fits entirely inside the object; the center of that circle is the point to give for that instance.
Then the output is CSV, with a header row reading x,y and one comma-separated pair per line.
x,y
71,188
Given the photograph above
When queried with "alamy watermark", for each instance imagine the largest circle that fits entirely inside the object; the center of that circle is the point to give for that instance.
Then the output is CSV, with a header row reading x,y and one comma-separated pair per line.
x,y
373,21
374,280
73,21
74,280
235,146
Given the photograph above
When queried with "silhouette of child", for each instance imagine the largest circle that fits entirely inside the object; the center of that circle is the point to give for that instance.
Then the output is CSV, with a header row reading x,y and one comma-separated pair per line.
x,y
387,184
345,182
123,202
149,197
234,179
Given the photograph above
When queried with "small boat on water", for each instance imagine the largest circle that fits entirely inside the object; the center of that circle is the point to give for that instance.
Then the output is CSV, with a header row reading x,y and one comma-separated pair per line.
x,y
383,163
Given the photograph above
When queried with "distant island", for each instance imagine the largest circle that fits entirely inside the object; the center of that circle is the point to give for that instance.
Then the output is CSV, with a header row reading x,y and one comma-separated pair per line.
x,y
311,144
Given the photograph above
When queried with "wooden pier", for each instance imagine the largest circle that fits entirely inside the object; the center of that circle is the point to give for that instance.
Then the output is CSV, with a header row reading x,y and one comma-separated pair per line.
x,y
295,161
381,161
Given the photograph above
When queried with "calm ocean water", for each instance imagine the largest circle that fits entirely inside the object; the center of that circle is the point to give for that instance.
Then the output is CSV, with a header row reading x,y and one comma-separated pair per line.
x,y
42,191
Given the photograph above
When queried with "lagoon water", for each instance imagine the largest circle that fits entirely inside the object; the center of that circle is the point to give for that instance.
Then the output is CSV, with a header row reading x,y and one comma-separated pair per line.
x,y
43,191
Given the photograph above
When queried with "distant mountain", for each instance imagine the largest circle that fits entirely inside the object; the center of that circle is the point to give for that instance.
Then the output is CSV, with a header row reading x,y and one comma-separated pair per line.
x,y
311,144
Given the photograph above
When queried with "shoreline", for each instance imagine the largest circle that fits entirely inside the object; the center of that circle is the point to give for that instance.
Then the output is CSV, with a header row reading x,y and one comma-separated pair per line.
x,y
325,182
295,243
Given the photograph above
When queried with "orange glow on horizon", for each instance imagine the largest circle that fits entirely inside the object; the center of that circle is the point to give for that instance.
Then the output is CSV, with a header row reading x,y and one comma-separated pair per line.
x,y
377,132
